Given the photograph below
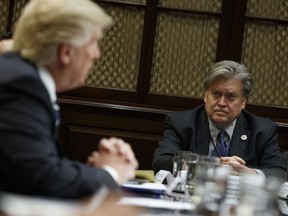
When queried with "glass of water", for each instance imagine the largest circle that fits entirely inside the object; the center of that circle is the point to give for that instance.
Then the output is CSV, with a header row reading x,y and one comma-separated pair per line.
x,y
190,167
184,168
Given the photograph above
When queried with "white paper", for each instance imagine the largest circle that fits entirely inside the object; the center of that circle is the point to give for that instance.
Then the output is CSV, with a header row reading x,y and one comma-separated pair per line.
x,y
146,187
283,190
283,206
18,205
164,174
234,182
156,203
232,197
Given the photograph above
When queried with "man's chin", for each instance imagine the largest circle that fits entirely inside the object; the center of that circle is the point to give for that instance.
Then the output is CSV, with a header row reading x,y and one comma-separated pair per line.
x,y
220,122
220,117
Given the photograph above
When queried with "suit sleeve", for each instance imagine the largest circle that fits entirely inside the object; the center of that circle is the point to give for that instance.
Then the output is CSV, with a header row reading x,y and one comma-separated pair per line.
x,y
29,157
168,145
271,161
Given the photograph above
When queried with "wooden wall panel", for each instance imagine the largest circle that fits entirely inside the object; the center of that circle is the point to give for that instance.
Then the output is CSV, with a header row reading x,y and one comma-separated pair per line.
x,y
81,130
83,125
81,141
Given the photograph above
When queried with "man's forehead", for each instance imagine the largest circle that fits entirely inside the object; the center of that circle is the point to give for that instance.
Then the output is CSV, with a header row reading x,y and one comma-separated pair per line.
x,y
226,82
225,88
233,86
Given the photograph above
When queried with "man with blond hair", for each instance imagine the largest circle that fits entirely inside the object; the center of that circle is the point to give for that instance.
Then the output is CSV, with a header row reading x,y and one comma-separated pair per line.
x,y
55,44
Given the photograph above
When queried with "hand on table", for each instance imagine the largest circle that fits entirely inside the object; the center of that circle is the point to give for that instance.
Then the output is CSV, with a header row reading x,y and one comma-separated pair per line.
x,y
237,164
117,154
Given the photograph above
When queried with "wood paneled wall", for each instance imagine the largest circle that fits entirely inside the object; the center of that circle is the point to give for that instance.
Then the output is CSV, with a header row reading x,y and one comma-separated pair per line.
x,y
85,123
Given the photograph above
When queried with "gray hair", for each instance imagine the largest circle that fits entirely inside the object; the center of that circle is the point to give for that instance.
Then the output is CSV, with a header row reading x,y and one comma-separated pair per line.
x,y
228,70
43,25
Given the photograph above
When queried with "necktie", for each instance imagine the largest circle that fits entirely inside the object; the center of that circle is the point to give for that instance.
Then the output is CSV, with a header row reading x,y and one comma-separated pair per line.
x,y
56,110
221,147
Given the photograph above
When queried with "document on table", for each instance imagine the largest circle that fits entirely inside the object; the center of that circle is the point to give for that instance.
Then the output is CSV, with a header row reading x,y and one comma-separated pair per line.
x,y
283,191
21,205
156,203
155,188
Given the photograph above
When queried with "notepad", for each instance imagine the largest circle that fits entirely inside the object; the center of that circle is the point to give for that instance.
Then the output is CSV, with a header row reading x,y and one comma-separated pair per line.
x,y
154,188
145,174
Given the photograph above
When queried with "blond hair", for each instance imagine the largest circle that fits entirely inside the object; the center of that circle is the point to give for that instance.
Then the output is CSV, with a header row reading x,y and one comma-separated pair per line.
x,y
44,24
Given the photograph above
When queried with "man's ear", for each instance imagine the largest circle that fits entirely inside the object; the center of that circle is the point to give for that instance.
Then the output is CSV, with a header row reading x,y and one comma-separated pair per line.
x,y
243,103
64,54
205,96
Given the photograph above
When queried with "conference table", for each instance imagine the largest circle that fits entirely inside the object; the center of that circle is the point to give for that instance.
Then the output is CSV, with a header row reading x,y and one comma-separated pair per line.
x,y
150,198
154,199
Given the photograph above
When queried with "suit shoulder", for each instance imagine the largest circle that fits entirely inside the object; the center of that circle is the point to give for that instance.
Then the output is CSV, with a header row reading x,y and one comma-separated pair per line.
x,y
13,67
20,77
186,115
257,120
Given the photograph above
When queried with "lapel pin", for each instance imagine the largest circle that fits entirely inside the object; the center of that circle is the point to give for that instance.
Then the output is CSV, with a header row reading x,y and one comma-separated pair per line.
x,y
243,137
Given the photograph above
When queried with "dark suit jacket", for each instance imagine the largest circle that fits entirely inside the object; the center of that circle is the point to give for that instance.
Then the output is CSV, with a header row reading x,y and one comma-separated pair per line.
x,y
30,161
189,130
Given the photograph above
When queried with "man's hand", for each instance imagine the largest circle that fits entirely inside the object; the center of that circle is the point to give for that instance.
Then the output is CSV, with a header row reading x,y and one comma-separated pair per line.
x,y
237,164
117,154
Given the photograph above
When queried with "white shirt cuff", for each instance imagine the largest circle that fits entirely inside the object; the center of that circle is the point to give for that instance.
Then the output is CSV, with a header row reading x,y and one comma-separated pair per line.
x,y
259,172
112,172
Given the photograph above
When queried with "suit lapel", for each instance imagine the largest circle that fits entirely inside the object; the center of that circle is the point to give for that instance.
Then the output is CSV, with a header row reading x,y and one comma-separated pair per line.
x,y
202,134
240,138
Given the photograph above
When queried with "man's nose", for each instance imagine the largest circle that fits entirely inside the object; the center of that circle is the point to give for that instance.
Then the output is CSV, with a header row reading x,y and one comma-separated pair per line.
x,y
97,53
222,101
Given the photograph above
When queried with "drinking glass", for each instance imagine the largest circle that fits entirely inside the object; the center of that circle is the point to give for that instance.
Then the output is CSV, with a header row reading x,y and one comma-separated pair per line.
x,y
180,162
211,180
184,168
190,168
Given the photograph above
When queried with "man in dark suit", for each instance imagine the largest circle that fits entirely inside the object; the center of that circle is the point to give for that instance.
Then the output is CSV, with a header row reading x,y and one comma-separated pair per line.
x,y
55,44
250,142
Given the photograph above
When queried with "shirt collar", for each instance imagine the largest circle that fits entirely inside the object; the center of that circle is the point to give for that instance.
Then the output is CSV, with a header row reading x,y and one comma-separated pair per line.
x,y
48,82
